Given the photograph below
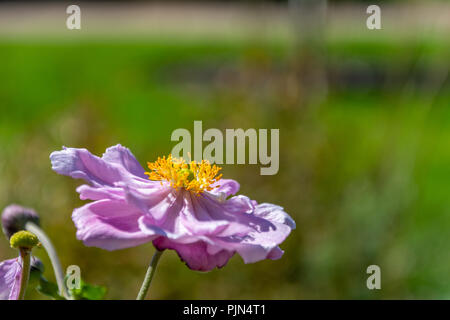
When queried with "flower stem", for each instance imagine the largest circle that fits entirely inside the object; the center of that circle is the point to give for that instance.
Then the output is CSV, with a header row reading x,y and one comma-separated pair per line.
x,y
26,265
149,275
47,244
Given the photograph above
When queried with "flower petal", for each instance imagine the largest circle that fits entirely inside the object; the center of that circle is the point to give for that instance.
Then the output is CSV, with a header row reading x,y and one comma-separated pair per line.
x,y
81,164
262,242
10,273
109,224
206,216
155,200
227,187
274,213
195,255
181,215
163,218
123,156
92,193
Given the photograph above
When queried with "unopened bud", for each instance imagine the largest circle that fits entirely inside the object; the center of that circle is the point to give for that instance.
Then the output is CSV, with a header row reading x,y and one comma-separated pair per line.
x,y
37,265
14,218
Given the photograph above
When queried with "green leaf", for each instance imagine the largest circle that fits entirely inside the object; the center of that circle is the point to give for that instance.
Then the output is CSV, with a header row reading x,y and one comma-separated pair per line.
x,y
49,289
88,292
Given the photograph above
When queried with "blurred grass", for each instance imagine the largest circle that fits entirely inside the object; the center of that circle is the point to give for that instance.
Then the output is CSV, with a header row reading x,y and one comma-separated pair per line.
x,y
364,172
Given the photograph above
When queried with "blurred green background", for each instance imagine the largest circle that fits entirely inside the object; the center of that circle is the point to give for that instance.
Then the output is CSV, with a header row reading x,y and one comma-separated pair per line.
x,y
364,125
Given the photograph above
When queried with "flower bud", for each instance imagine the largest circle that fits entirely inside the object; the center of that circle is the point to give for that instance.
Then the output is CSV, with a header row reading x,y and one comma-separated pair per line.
x,y
37,265
23,240
14,218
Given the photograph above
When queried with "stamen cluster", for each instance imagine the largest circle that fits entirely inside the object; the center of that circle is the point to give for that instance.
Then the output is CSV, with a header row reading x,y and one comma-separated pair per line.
x,y
194,176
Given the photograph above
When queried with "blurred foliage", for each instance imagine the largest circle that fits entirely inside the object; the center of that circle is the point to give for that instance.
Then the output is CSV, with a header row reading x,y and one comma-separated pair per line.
x,y
364,161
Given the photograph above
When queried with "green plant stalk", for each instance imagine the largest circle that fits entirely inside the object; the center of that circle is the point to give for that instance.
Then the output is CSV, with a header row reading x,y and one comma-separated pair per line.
x,y
149,275
47,244
25,255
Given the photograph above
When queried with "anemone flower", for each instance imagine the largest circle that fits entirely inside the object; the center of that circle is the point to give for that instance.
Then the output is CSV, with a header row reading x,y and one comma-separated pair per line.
x,y
178,205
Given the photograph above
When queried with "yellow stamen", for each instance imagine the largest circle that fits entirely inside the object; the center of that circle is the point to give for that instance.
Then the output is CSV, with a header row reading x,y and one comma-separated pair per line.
x,y
193,176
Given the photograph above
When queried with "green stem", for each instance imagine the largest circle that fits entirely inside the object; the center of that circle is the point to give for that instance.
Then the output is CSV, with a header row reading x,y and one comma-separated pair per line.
x,y
26,265
47,244
149,275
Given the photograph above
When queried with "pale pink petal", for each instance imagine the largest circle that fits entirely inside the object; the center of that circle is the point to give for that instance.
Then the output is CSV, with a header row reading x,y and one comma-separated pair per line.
x,y
226,187
109,224
10,274
195,255
123,156
81,164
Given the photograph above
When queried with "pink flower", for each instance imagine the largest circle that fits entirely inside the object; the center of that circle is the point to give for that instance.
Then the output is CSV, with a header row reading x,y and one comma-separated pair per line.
x,y
176,205
10,275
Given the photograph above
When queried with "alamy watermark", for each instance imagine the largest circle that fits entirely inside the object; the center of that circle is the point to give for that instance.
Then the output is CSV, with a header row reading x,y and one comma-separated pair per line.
x,y
73,277
256,142
374,280
374,20
74,20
